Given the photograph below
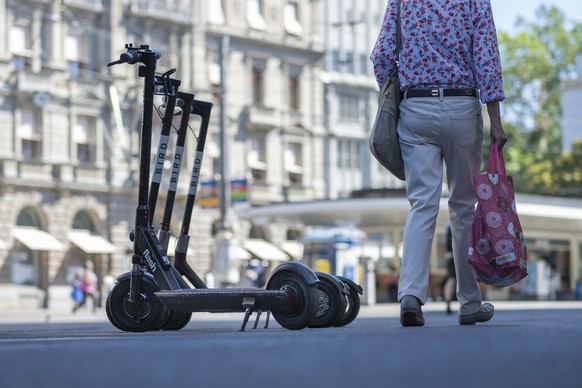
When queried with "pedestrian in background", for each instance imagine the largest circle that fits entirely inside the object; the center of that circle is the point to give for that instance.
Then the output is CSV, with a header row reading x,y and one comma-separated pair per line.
x,y
90,290
448,64
77,289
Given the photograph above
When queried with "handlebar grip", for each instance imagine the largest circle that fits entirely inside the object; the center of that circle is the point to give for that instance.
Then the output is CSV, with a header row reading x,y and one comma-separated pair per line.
x,y
132,57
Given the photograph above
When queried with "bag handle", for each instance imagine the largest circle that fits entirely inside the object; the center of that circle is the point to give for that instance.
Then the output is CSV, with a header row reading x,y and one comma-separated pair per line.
x,y
496,162
398,34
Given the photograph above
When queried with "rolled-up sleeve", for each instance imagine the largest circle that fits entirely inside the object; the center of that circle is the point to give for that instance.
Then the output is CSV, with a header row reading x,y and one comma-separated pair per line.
x,y
486,54
384,53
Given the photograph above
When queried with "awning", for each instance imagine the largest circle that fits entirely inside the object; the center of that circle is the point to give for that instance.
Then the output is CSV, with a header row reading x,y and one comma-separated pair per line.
x,y
241,254
293,248
264,250
37,240
90,243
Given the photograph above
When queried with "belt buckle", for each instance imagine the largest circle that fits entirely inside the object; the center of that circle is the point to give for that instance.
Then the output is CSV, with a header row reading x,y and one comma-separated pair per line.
x,y
469,92
434,92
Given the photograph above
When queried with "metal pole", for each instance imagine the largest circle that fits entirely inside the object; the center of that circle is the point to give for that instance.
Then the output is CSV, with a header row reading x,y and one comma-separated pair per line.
x,y
224,173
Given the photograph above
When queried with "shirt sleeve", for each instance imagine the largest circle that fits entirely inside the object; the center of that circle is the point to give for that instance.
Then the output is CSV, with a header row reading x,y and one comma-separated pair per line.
x,y
486,54
384,53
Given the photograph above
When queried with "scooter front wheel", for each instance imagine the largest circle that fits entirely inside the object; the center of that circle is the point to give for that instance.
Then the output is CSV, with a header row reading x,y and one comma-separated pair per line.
x,y
302,300
146,313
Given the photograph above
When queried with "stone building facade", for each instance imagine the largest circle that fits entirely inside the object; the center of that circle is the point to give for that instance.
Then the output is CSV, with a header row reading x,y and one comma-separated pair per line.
x,y
299,96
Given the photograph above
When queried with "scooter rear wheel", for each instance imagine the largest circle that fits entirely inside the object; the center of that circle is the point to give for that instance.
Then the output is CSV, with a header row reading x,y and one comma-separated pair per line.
x,y
147,313
302,298
177,320
352,308
332,304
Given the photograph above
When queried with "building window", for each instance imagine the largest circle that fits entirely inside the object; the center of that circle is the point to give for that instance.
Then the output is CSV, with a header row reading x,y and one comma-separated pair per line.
x,y
84,138
357,155
21,46
349,154
162,40
294,162
294,92
75,53
216,12
364,64
214,73
20,41
258,86
257,160
291,18
349,105
334,60
30,134
255,15
348,63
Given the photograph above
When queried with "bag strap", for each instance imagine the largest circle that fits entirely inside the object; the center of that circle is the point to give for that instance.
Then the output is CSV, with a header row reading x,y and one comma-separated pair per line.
x,y
398,34
496,162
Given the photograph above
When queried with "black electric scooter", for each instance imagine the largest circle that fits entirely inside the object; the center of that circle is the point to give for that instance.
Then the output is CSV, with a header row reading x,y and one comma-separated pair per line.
x,y
155,295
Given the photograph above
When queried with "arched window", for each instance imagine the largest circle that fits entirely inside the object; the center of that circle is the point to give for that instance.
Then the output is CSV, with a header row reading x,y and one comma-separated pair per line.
x,y
83,221
257,232
28,217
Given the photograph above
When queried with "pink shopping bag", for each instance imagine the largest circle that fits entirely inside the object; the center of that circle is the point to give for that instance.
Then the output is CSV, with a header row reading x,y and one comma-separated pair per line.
x,y
497,251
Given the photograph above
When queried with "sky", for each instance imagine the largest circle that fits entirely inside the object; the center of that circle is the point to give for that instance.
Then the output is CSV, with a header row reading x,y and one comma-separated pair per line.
x,y
506,11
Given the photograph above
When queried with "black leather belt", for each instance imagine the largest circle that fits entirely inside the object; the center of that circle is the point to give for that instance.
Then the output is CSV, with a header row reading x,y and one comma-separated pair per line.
x,y
437,92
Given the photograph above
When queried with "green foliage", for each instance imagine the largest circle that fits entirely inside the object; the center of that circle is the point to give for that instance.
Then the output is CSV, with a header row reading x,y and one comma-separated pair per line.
x,y
536,61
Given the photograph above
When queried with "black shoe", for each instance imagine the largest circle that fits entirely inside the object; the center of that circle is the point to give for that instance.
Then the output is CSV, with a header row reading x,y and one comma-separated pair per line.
x,y
410,312
483,315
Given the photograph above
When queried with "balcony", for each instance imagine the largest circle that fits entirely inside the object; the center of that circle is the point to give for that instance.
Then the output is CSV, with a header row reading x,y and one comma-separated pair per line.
x,y
261,193
35,171
91,5
262,117
94,176
179,11
299,194
87,86
27,81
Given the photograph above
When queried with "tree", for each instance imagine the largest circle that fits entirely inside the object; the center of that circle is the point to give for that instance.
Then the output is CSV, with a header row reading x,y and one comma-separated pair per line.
x,y
536,61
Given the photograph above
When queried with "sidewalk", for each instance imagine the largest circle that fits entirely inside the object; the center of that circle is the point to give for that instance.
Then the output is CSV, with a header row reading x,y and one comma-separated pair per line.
x,y
63,314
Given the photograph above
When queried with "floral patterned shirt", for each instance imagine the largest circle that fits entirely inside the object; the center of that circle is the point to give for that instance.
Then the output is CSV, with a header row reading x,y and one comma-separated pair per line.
x,y
445,44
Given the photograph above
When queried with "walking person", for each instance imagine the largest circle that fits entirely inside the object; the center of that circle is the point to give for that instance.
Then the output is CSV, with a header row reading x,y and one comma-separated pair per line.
x,y
77,285
90,289
449,63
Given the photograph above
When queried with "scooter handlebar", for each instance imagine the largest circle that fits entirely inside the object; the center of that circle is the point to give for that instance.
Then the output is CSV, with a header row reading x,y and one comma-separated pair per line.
x,y
133,56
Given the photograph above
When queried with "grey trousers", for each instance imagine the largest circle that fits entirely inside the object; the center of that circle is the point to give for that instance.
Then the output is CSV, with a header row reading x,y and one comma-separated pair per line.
x,y
434,131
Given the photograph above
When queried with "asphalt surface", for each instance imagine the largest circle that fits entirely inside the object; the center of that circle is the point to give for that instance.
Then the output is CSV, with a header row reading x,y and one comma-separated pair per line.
x,y
525,345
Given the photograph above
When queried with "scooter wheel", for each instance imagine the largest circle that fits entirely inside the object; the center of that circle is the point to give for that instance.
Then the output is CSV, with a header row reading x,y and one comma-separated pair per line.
x,y
147,313
302,300
332,304
352,309
177,320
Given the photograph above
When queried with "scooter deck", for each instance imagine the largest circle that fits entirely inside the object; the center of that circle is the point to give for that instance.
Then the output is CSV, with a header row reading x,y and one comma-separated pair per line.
x,y
217,300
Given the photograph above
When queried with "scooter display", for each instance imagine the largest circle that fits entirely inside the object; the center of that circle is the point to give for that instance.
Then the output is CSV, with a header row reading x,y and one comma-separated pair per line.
x,y
158,294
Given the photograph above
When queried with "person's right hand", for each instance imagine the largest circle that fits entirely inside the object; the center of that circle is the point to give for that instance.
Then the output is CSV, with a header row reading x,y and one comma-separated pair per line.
x,y
498,135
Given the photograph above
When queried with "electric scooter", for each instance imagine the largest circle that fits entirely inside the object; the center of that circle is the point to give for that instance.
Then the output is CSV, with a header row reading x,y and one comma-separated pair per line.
x,y
155,295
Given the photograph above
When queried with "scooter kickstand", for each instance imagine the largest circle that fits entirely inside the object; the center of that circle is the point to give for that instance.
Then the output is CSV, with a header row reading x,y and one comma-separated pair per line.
x,y
257,319
248,304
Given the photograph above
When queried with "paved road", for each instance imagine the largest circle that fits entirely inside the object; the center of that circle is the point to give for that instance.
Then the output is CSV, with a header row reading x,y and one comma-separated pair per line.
x,y
519,348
